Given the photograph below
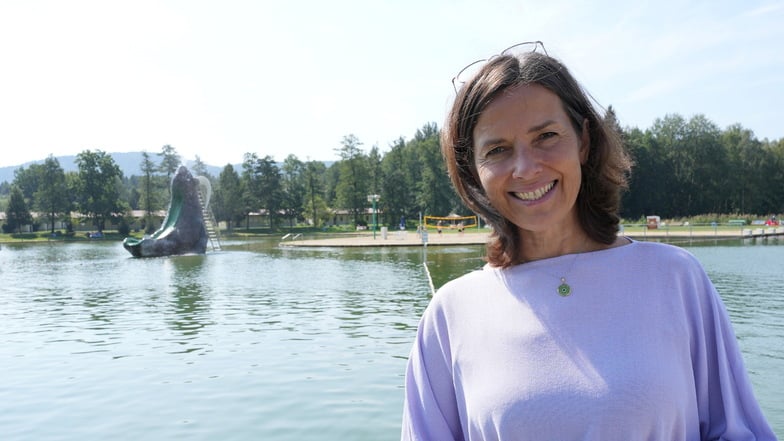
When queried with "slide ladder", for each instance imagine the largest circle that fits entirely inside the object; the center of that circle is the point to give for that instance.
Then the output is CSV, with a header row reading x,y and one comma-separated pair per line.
x,y
210,224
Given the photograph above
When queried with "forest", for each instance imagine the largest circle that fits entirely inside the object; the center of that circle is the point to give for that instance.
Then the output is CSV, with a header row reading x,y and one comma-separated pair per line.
x,y
683,168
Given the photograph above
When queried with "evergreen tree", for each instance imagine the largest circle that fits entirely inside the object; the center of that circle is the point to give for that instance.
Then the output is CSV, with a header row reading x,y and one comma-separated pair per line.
x,y
170,161
352,185
227,201
262,186
396,189
17,215
314,200
293,188
434,193
199,168
149,192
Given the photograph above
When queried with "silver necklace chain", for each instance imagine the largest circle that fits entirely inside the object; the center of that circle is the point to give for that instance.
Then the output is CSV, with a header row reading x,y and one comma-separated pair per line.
x,y
564,289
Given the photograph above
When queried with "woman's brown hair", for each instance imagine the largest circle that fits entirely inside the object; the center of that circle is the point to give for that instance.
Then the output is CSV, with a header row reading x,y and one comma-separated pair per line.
x,y
604,173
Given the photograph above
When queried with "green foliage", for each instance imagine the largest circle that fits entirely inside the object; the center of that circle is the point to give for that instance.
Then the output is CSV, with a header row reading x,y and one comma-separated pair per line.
x,y
98,187
688,167
199,168
261,186
292,189
397,188
152,190
17,214
684,169
314,204
170,161
227,203
52,196
353,183
123,228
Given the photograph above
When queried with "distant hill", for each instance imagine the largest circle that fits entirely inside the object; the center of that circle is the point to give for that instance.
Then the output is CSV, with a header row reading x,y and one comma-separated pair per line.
x,y
129,163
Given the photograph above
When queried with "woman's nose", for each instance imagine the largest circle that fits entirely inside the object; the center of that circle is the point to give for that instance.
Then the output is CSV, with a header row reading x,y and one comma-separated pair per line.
x,y
527,163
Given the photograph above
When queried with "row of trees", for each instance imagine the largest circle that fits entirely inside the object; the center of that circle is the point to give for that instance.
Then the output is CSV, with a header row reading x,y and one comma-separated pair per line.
x,y
410,178
98,190
682,168
688,167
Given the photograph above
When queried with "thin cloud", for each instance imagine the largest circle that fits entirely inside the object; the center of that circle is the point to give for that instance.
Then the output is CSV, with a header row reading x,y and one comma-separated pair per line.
x,y
764,10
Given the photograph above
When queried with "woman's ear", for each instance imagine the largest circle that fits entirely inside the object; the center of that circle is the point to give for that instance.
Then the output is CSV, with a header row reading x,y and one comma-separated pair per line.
x,y
585,142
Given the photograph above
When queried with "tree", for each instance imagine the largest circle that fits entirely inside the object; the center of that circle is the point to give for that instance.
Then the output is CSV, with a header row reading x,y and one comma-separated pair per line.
x,y
250,184
434,193
707,161
774,151
314,199
676,174
611,119
270,194
293,188
170,161
148,191
262,187
28,180
227,198
200,168
330,180
396,190
99,180
647,186
17,214
51,196
375,172
5,188
352,185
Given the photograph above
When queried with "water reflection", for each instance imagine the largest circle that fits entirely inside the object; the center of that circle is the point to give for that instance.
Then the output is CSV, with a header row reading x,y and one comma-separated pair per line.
x,y
262,342
190,309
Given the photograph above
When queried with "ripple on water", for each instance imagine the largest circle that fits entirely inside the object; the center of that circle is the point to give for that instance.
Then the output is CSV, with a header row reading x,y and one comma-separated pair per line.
x,y
258,342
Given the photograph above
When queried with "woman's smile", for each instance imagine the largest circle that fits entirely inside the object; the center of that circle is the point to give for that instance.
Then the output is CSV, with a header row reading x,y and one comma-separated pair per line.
x,y
536,195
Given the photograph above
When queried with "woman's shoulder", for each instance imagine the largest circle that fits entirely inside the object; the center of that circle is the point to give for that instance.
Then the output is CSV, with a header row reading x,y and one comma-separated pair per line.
x,y
470,281
659,251
655,260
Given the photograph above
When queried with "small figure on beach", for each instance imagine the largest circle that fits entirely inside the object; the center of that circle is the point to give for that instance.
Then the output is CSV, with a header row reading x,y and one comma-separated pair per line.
x,y
570,331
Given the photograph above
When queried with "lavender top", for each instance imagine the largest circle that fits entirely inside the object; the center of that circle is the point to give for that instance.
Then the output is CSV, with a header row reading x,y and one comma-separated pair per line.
x,y
642,350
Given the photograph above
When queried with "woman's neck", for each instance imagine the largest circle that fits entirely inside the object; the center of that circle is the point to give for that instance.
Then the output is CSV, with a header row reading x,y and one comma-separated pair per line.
x,y
537,246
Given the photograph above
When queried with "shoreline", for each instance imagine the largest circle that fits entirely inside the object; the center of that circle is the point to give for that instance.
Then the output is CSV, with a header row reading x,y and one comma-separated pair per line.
x,y
410,238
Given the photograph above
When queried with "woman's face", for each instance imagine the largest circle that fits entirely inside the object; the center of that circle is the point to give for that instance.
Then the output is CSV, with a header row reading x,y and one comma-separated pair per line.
x,y
528,156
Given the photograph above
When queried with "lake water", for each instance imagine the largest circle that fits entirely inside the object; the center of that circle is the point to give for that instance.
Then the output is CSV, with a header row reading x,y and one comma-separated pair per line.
x,y
259,342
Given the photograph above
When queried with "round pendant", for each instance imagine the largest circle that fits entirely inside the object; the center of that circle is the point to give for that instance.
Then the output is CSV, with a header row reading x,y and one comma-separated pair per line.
x,y
564,290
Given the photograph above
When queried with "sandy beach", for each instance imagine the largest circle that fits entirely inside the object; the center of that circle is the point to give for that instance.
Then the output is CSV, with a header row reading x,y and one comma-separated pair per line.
x,y
411,238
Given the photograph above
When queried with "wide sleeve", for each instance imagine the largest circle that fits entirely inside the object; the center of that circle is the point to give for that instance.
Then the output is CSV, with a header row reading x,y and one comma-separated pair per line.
x,y
430,410
727,407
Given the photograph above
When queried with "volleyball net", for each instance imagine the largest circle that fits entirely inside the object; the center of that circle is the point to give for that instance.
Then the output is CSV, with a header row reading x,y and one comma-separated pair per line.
x,y
452,222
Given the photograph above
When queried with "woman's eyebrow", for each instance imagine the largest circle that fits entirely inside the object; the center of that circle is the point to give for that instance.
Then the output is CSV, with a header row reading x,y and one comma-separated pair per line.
x,y
541,126
490,142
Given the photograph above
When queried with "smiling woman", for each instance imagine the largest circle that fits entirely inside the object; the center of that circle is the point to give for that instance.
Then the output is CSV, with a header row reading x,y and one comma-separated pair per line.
x,y
490,106
570,332
528,158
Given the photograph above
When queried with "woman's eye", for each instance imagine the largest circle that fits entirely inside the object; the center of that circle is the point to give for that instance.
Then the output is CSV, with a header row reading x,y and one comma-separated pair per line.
x,y
547,135
494,151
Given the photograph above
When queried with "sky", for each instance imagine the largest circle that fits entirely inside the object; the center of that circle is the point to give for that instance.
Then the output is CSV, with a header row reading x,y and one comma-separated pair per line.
x,y
219,79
